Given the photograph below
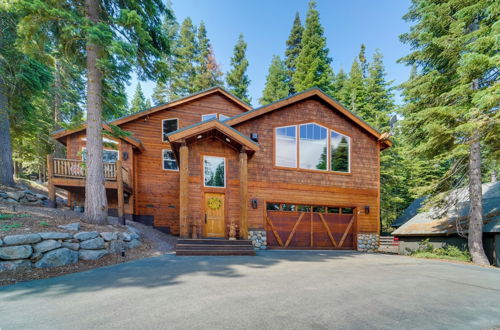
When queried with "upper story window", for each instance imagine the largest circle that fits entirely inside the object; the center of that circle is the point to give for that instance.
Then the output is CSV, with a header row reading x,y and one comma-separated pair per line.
x,y
286,146
108,156
169,162
314,148
168,126
210,116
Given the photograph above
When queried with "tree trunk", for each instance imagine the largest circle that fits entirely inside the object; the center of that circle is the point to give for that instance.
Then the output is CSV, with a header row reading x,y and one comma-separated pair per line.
x,y
58,147
476,211
96,205
6,163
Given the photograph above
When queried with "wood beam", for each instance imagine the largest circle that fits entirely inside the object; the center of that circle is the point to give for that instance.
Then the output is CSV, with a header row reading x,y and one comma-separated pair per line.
x,y
50,182
243,194
183,193
119,184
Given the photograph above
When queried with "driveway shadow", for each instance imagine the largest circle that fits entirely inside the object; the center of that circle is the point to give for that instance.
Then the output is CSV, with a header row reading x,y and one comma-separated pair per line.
x,y
163,270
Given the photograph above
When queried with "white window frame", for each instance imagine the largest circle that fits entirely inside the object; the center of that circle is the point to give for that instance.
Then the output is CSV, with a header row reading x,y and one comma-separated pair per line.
x,y
276,143
163,129
297,146
330,150
327,147
209,114
226,117
163,161
225,171
112,150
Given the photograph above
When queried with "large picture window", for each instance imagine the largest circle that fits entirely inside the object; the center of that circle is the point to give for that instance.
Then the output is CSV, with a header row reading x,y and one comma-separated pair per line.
x,y
169,126
339,150
313,147
214,170
169,162
286,146
319,148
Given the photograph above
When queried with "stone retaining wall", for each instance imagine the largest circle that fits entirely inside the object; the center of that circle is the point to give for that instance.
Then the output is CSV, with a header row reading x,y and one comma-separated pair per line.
x,y
258,238
368,242
52,249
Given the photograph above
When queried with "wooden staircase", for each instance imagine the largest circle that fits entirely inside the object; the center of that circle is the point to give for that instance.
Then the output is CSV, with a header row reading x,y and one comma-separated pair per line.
x,y
214,247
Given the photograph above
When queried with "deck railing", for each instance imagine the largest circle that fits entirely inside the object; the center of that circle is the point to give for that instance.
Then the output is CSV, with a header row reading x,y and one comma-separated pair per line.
x,y
72,168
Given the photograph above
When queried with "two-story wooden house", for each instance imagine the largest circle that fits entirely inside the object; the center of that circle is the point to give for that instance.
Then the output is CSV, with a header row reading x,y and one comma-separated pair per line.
x,y
302,172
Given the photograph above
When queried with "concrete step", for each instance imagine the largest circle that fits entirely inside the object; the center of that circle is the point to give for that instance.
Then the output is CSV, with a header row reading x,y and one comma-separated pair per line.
x,y
214,253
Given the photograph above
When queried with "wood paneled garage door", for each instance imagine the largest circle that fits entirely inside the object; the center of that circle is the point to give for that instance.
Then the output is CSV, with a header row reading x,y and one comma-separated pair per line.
x,y
292,226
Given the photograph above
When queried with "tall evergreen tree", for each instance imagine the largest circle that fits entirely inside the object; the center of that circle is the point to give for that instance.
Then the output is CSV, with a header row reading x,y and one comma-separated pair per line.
x,y
379,97
277,86
237,78
355,90
208,73
184,65
455,95
293,47
138,102
363,61
117,36
313,63
339,87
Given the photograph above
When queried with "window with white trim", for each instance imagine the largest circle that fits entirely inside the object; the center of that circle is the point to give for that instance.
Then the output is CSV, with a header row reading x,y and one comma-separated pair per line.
x,y
208,116
169,126
108,156
286,146
214,171
223,117
169,161
319,148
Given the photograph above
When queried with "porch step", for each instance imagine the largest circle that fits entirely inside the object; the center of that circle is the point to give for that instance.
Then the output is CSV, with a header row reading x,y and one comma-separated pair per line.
x,y
213,247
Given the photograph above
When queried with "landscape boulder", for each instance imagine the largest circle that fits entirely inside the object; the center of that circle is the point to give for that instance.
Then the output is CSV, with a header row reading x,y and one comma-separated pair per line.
x,y
75,226
92,244
135,243
1,242
92,254
71,246
55,235
15,252
117,246
59,257
128,236
109,236
22,239
86,235
15,195
47,245
15,265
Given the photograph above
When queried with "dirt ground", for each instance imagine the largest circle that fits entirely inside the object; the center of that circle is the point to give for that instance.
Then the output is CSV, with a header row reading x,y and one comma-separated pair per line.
x,y
29,219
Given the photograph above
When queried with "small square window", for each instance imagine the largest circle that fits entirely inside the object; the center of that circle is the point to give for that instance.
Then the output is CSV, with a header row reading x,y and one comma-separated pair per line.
x,y
333,210
208,116
223,117
169,126
273,207
319,209
288,207
304,208
169,162
347,210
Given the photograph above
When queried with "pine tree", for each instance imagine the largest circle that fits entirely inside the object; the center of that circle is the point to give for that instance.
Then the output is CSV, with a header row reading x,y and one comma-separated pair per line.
x,y
138,102
379,97
237,78
293,47
451,115
208,73
277,86
108,39
338,91
183,73
313,63
355,90
363,62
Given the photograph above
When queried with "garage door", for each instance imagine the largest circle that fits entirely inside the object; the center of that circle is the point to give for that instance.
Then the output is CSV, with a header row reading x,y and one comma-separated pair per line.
x,y
292,226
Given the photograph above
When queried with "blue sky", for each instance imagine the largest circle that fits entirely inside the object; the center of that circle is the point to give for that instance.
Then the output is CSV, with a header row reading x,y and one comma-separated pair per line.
x,y
266,25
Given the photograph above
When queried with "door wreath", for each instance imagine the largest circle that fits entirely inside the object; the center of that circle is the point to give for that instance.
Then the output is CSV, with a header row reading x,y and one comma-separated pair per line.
x,y
214,203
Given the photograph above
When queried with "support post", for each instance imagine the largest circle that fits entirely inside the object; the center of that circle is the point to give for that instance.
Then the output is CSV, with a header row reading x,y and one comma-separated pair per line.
x,y
183,190
50,182
243,194
119,188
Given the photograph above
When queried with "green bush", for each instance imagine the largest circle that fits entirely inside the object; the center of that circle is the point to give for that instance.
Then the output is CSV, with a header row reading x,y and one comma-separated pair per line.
x,y
450,252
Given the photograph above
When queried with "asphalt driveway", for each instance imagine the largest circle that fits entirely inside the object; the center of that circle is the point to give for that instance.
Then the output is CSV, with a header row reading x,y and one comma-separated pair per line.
x,y
275,290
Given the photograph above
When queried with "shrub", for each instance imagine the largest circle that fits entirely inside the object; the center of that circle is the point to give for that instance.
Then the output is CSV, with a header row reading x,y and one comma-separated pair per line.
x,y
450,252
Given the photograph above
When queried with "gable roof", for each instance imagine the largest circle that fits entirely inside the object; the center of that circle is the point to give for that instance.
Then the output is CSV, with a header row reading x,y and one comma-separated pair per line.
x,y
213,90
313,92
212,124
435,223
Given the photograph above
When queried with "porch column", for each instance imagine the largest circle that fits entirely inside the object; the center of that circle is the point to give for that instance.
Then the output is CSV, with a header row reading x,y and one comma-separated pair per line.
x,y
183,190
50,182
119,190
243,194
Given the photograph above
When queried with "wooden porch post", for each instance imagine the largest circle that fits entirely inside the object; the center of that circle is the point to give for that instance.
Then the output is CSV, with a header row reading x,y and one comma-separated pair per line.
x,y
119,189
50,182
243,194
183,193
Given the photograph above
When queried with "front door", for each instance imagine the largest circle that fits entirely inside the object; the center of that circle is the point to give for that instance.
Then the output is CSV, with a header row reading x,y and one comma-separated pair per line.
x,y
214,215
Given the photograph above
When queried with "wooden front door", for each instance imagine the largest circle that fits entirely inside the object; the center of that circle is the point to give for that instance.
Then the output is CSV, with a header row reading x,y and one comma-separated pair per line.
x,y
214,215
